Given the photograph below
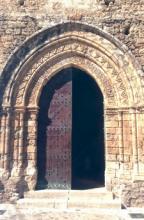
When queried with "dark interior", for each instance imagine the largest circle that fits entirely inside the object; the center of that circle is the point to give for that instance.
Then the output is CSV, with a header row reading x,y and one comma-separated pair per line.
x,y
88,132
87,129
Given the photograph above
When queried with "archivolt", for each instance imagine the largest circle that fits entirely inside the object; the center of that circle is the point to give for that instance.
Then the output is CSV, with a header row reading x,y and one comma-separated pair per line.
x,y
85,47
42,56
104,82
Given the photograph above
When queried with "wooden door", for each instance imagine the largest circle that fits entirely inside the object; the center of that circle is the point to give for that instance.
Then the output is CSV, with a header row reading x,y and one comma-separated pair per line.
x,y
58,147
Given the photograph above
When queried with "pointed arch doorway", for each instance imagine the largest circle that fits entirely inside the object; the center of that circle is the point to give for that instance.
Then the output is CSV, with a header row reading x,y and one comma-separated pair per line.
x,y
70,140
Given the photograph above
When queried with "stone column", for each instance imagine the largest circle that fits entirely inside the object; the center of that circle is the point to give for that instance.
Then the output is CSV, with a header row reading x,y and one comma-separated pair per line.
x,y
112,147
4,142
134,143
18,147
125,144
7,140
31,170
121,143
2,139
140,144
21,136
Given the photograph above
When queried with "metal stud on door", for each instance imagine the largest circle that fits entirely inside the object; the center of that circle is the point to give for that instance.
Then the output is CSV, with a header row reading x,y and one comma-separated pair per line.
x,y
58,149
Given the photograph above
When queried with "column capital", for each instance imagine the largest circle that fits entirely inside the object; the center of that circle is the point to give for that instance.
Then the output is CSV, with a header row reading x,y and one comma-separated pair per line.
x,y
19,109
32,109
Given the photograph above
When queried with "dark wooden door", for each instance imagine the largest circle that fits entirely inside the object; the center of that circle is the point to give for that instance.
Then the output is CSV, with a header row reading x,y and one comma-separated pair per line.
x,y
58,147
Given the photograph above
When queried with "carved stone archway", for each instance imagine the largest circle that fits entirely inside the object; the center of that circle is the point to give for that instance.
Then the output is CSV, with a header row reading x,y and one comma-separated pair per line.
x,y
113,68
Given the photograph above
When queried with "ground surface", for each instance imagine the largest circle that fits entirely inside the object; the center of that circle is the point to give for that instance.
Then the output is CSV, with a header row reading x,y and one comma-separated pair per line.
x,y
9,212
49,214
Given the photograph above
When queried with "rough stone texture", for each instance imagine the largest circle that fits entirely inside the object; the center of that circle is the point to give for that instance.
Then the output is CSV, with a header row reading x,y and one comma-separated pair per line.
x,y
133,194
123,19
37,37
11,212
75,215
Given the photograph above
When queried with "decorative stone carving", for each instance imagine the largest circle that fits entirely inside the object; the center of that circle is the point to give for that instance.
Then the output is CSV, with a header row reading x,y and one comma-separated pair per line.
x,y
74,47
31,176
117,76
102,80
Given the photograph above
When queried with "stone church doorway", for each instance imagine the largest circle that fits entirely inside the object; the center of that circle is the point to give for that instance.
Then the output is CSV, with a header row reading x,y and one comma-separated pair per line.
x,y
70,142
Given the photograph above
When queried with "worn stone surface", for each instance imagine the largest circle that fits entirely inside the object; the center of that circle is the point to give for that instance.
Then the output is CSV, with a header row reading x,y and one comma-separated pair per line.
x,y
102,37
20,19
59,214
9,211
132,194
75,215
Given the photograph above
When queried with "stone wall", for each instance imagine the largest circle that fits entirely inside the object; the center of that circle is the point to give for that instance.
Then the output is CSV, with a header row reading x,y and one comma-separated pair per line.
x,y
19,21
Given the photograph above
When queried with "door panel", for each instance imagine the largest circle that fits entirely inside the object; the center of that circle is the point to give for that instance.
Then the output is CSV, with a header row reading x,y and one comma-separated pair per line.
x,y
58,146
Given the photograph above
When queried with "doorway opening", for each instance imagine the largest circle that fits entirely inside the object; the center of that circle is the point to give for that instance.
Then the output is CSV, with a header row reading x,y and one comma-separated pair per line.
x,y
88,162
53,152
83,155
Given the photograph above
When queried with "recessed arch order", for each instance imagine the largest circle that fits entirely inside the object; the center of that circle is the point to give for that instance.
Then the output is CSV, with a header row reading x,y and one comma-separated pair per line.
x,y
114,63
69,44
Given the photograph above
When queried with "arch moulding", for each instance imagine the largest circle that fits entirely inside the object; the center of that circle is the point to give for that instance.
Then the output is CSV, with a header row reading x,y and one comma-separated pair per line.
x,y
116,72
